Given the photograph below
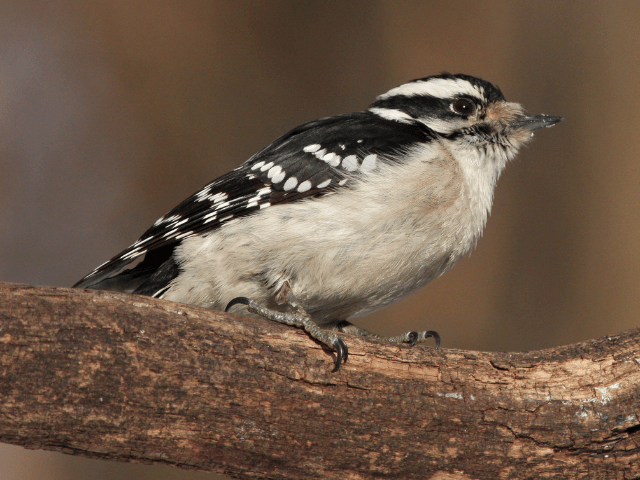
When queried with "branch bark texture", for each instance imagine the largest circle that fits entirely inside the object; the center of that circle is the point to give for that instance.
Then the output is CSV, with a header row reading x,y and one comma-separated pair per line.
x,y
131,378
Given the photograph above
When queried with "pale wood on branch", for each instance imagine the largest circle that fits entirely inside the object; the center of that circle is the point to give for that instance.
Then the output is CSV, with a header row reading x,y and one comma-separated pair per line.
x,y
130,378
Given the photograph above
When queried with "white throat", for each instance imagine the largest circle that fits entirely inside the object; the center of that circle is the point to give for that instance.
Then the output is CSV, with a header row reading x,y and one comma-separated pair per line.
x,y
481,169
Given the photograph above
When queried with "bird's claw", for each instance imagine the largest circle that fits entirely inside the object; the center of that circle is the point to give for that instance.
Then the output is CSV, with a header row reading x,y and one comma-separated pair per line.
x,y
342,353
414,337
298,318
237,301
435,335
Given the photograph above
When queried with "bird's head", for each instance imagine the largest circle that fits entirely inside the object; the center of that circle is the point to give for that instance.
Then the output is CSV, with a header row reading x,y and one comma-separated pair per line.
x,y
463,109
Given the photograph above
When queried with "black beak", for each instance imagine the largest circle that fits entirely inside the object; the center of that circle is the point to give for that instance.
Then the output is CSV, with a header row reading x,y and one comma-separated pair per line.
x,y
534,122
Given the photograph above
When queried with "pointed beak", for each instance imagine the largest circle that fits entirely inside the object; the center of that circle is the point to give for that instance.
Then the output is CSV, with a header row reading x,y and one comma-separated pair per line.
x,y
535,122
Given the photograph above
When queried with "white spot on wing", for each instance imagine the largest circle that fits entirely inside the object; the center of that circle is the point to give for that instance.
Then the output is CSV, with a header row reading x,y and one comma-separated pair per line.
x,y
342,182
218,197
171,219
257,165
312,148
170,233
350,163
290,184
140,242
266,167
304,186
210,217
274,171
203,193
332,159
369,163
320,153
253,201
177,224
324,184
279,177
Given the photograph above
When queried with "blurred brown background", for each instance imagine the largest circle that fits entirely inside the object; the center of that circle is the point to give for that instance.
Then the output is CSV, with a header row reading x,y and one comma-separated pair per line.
x,y
113,112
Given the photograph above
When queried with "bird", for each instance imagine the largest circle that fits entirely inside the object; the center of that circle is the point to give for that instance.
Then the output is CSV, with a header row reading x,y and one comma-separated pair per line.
x,y
339,217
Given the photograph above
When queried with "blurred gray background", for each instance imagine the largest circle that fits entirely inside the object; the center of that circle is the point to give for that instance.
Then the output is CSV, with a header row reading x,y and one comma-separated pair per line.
x,y
113,112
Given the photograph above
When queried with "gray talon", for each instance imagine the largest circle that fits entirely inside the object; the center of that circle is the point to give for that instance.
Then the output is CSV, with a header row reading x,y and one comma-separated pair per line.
x,y
236,301
342,353
435,335
345,350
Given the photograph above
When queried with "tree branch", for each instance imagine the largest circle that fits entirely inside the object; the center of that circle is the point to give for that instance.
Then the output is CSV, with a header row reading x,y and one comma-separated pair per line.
x,y
131,378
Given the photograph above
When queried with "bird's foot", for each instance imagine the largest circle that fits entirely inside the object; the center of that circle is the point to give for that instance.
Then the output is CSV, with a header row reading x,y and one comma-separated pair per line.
x,y
416,337
301,319
410,337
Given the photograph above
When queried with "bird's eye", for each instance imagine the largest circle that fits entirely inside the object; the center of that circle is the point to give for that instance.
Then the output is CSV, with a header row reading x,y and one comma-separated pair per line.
x,y
463,106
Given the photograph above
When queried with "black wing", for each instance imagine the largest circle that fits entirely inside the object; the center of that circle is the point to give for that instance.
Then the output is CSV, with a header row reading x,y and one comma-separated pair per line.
x,y
314,159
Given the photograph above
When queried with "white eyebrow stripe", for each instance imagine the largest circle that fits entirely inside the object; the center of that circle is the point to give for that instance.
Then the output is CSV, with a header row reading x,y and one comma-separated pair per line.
x,y
436,87
392,114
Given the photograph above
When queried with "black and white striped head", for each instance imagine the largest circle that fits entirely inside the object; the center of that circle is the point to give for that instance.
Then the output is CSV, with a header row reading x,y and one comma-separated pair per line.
x,y
463,108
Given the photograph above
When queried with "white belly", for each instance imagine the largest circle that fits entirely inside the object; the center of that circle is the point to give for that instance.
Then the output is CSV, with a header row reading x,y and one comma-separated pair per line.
x,y
341,256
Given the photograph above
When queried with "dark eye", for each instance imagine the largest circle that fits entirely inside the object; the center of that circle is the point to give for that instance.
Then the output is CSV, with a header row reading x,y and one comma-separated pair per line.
x,y
463,106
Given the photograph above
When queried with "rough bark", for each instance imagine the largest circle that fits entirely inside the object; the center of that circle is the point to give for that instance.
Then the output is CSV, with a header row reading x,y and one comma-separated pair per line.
x,y
131,378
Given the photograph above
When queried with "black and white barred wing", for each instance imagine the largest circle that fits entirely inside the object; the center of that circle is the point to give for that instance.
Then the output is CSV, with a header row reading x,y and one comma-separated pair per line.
x,y
314,159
